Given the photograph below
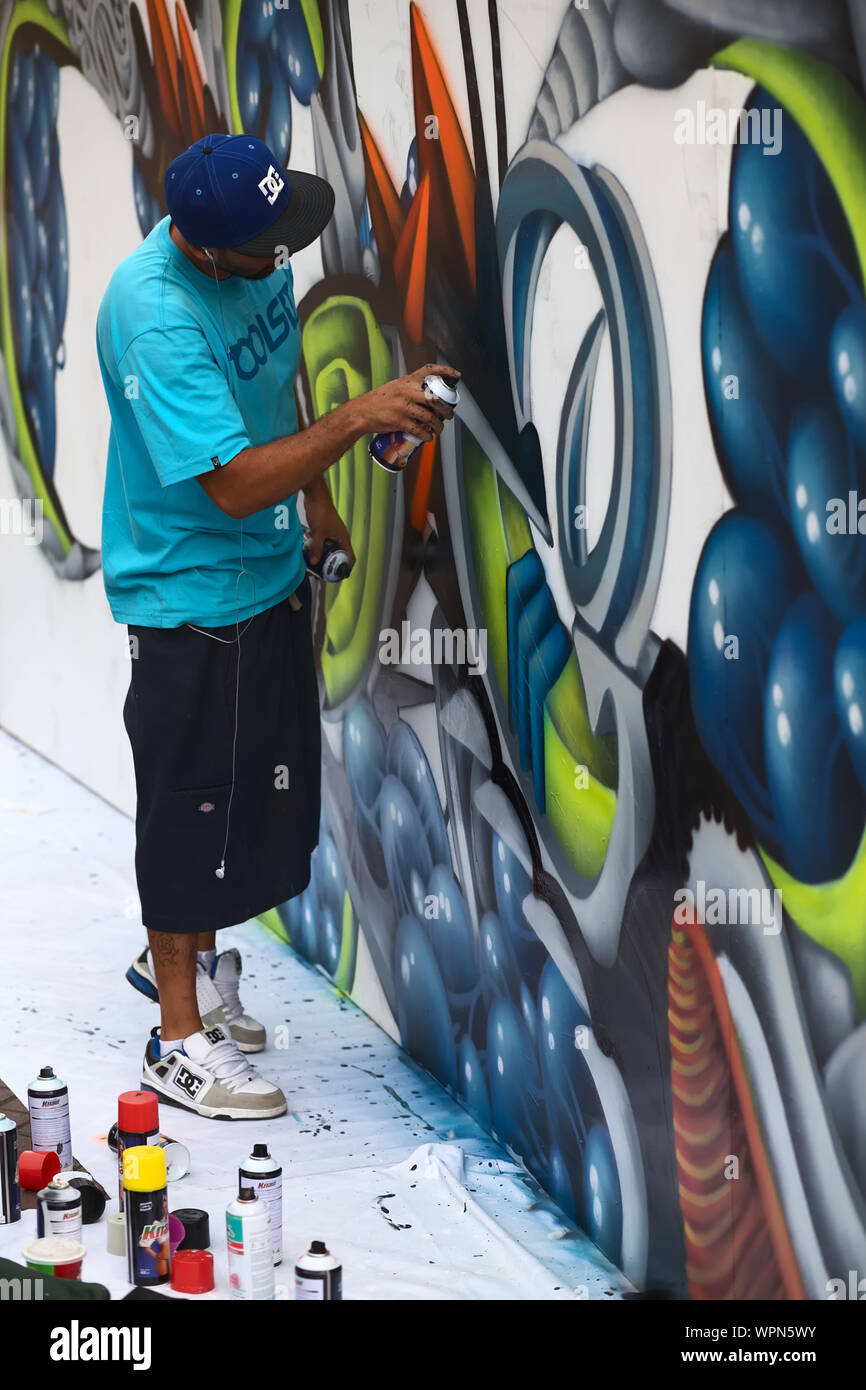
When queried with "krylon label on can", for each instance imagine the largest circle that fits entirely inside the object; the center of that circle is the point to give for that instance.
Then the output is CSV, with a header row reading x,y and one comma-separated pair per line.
x,y
58,1210
393,451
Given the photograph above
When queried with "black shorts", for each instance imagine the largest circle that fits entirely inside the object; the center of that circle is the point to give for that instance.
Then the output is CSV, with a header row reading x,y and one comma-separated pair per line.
x,y
195,807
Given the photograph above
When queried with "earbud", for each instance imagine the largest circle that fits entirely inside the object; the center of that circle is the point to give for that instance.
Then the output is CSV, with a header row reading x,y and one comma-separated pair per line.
x,y
221,871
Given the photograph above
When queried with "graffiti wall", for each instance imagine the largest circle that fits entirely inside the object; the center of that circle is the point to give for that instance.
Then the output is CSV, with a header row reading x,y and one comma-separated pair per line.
x,y
594,754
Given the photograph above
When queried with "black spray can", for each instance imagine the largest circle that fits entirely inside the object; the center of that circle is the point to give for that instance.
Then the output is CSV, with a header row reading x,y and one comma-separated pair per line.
x,y
48,1103
10,1193
148,1252
58,1210
318,1274
265,1176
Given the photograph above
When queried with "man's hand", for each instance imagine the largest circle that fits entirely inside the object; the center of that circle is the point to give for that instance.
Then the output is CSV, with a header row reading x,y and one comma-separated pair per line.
x,y
403,404
324,521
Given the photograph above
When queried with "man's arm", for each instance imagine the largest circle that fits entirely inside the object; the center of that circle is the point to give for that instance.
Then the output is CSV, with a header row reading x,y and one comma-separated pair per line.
x,y
266,474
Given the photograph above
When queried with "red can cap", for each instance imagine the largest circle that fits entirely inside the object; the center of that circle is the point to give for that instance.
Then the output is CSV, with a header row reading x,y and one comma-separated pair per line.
x,y
37,1169
192,1271
137,1112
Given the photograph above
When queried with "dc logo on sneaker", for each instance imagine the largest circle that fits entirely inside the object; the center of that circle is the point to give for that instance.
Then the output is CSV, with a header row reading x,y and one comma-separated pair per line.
x,y
215,1035
188,1082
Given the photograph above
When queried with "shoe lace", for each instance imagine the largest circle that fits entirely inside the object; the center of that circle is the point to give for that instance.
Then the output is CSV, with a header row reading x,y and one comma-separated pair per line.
x,y
228,986
227,1063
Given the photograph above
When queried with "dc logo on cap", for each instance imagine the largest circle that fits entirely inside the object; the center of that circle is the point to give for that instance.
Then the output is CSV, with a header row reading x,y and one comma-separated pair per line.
x,y
271,185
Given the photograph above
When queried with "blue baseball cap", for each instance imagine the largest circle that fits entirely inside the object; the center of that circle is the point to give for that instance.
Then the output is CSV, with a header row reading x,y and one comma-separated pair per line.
x,y
230,191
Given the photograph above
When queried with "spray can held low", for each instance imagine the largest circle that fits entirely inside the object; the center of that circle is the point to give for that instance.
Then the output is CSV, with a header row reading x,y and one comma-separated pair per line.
x,y
265,1176
10,1192
393,451
250,1247
48,1103
332,565
318,1274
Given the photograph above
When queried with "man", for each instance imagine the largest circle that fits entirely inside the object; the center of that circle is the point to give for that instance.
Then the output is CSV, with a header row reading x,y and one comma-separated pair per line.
x,y
199,345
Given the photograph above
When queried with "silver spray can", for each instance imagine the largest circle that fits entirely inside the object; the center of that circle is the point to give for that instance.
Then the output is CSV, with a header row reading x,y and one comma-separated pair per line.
x,y
393,451
10,1192
318,1274
48,1103
58,1210
265,1176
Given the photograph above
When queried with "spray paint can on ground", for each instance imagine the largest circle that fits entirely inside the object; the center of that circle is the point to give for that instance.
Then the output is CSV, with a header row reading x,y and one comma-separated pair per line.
x,y
138,1123
48,1103
58,1210
393,451
265,1176
145,1201
250,1247
10,1192
318,1274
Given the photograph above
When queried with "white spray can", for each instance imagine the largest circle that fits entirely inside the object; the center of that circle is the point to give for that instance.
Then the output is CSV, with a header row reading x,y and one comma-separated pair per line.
x,y
318,1273
250,1247
265,1176
48,1103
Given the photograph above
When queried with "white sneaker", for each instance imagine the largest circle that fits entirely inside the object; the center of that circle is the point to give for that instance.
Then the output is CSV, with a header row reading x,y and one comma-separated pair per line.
x,y
216,992
226,973
209,1074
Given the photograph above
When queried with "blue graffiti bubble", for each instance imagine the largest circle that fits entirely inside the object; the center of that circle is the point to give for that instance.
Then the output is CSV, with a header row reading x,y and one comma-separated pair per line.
x,y
849,671
512,885
745,580
296,52
848,368
471,1086
515,1089
602,1198
498,963
422,1008
795,258
823,468
407,760
278,132
451,933
818,802
249,87
749,400
404,843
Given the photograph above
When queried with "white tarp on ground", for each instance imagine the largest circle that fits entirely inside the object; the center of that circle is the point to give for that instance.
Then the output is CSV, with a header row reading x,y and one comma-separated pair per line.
x,y
378,1160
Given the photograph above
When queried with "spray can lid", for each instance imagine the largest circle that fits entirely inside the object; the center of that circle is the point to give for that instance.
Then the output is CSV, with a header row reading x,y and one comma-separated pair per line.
x,y
318,1247
260,1151
45,1073
137,1112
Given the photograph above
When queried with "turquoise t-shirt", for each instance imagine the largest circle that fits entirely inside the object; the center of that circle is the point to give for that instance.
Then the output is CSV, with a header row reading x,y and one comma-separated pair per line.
x,y
195,370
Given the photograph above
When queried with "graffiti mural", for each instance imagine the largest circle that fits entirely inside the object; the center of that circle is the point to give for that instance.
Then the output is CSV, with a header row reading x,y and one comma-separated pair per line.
x,y
611,890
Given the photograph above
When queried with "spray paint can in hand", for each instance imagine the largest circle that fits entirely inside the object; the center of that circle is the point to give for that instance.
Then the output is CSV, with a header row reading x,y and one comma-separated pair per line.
x,y
265,1176
332,565
48,1103
250,1247
10,1192
318,1274
393,451
145,1201
58,1210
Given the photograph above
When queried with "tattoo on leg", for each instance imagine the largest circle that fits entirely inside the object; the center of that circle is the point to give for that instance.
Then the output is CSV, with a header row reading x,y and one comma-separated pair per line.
x,y
164,946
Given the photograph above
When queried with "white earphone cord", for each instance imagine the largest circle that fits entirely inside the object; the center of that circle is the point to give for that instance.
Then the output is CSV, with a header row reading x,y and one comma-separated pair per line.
x,y
227,642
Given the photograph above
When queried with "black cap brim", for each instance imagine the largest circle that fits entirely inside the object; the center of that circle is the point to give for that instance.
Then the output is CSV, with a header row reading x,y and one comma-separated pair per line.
x,y
310,209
